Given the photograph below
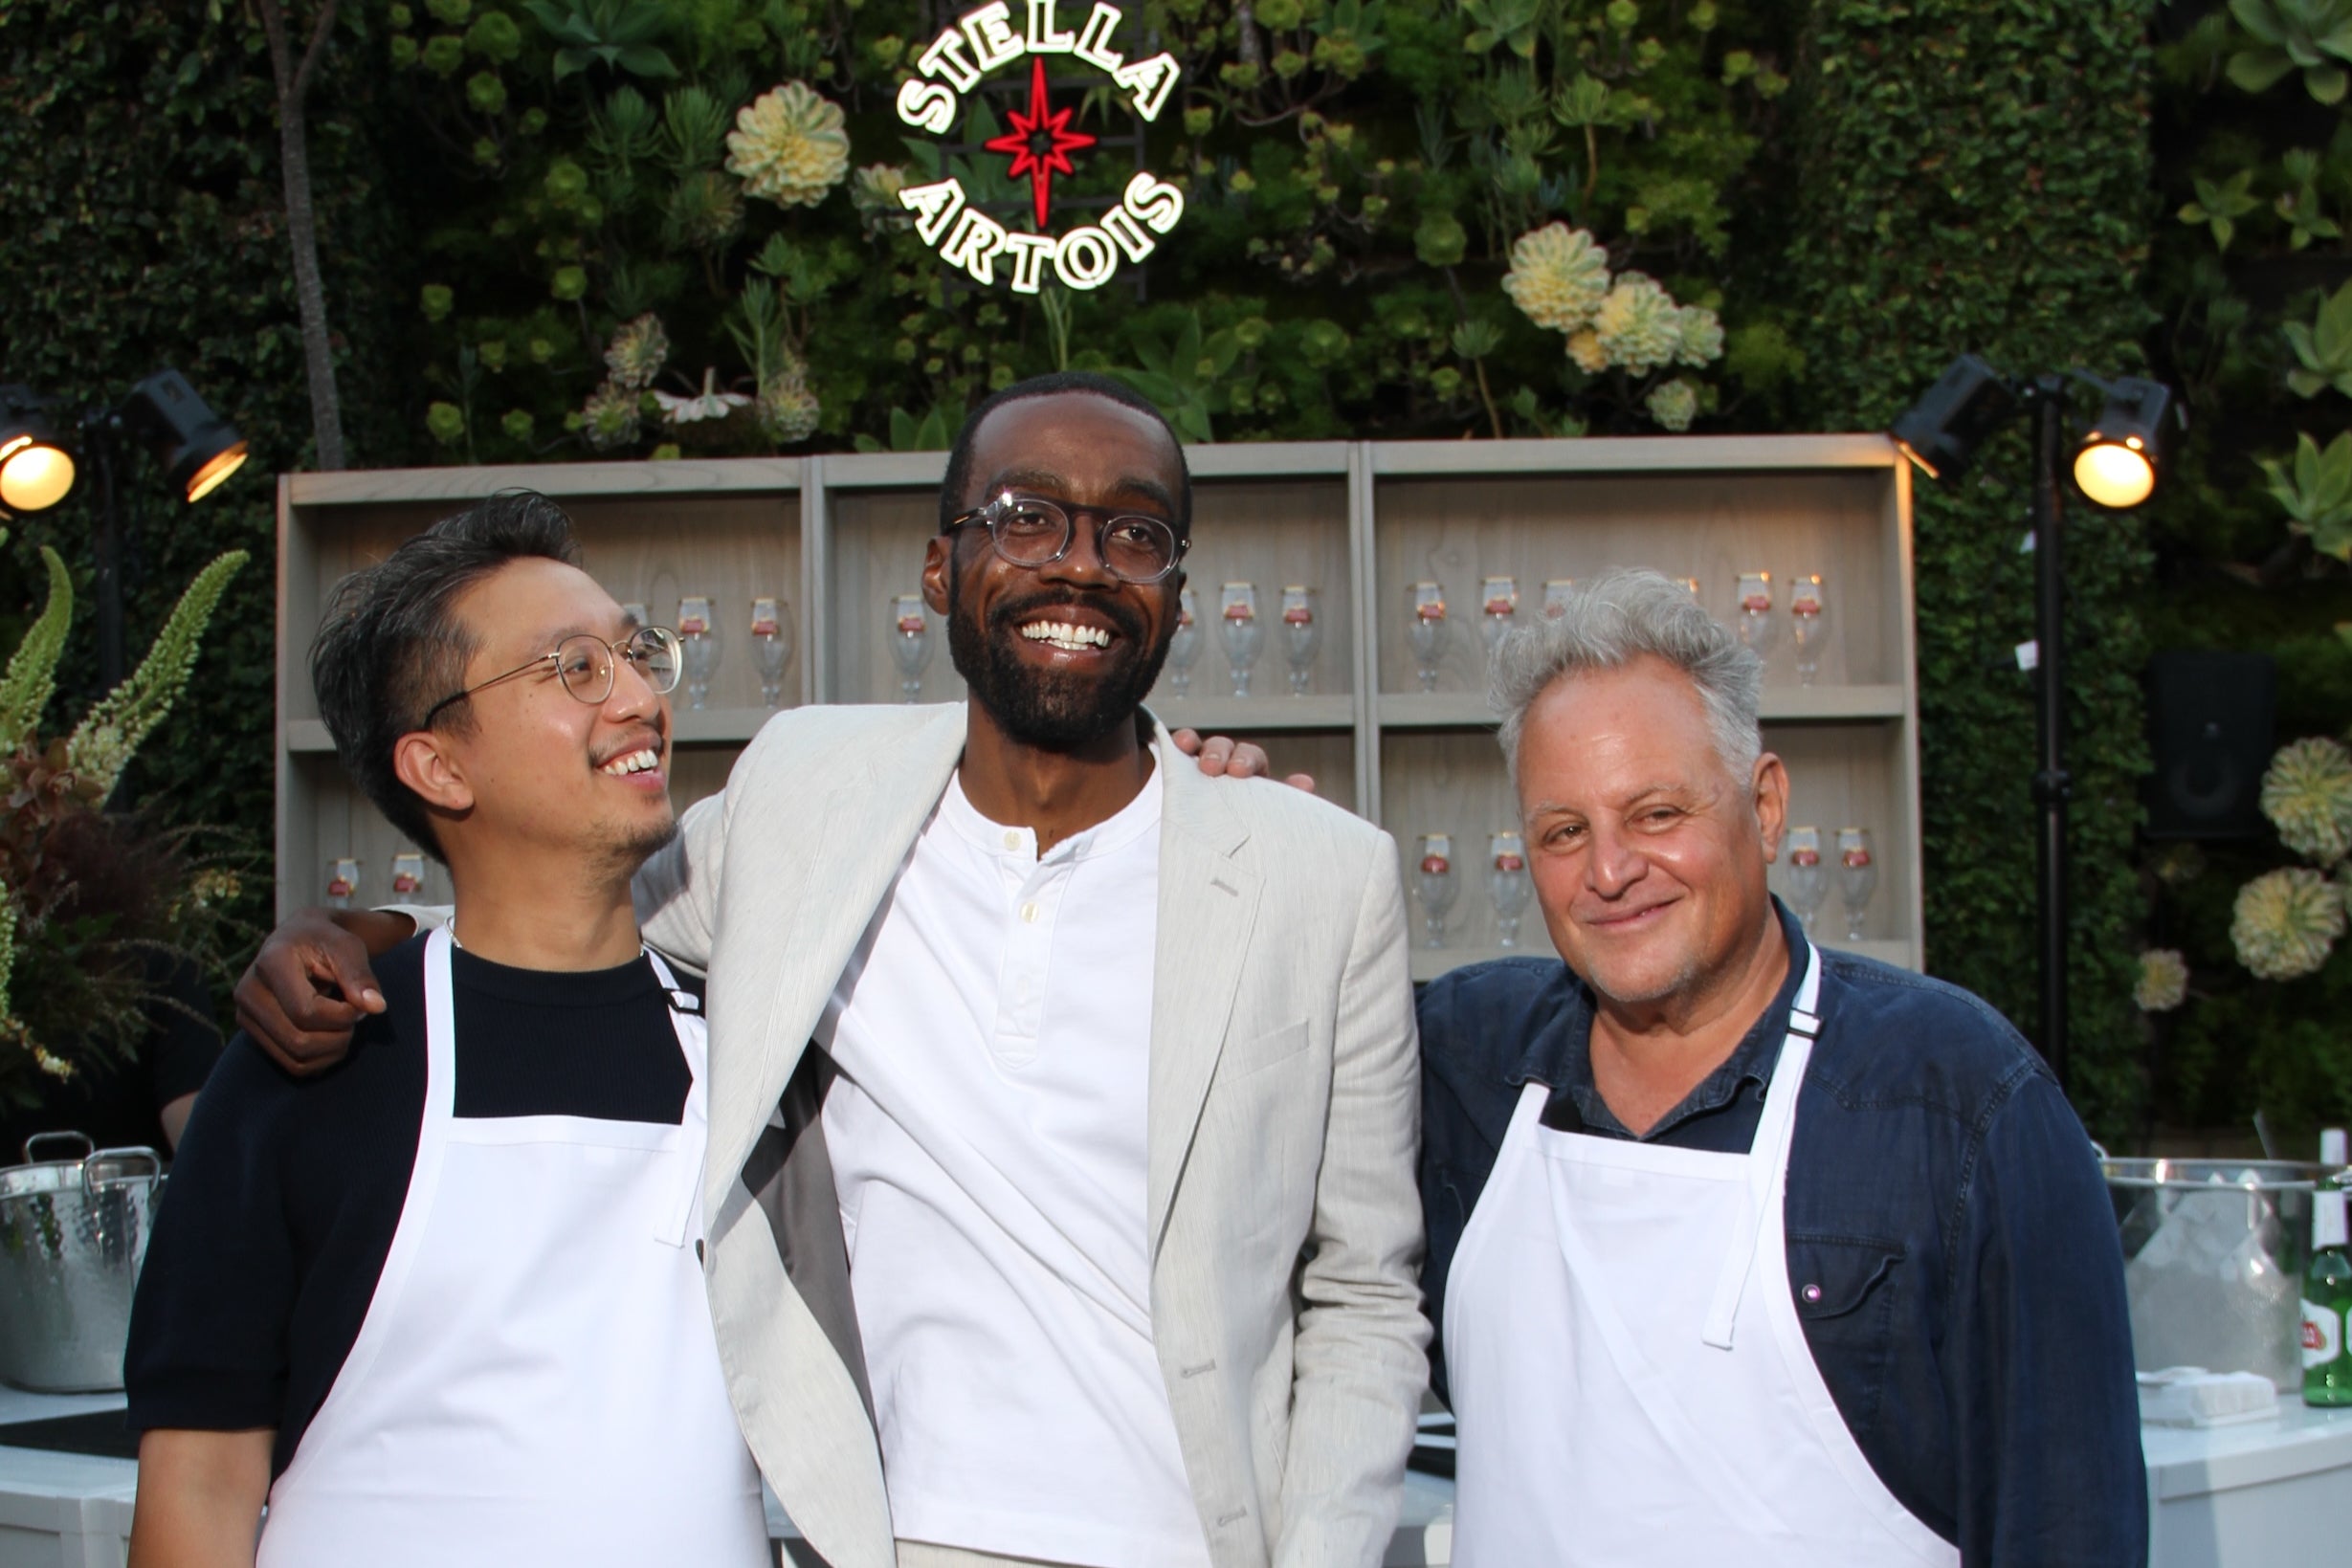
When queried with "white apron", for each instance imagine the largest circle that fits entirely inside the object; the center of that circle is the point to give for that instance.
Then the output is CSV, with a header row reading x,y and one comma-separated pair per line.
x,y
1631,1382
537,1380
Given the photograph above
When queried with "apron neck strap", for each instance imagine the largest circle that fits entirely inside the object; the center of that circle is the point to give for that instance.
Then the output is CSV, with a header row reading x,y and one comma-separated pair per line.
x,y
681,1000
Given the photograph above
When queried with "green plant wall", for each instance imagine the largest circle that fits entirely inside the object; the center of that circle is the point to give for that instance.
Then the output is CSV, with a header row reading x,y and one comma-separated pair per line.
x,y
146,228
1974,175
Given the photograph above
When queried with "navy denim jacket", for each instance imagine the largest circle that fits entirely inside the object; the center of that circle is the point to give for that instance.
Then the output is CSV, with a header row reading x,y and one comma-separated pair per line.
x,y
1971,1323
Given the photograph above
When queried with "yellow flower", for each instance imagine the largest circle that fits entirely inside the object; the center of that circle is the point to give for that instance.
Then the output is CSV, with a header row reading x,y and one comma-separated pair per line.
x,y
789,147
2164,981
2285,923
1558,277
1639,325
2307,791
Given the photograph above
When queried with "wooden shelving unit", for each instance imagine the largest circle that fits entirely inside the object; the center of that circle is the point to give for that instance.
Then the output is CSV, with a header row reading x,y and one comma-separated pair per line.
x,y
837,535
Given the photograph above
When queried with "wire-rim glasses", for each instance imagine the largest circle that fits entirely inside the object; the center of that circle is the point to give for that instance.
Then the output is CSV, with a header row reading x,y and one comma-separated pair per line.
x,y
1029,531
585,664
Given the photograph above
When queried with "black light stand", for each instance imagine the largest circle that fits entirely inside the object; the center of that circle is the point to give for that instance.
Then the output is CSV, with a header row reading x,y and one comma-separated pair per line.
x,y
2052,785
106,546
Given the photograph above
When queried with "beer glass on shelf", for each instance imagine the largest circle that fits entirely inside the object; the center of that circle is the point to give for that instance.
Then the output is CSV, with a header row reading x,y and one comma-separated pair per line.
x,y
910,643
1426,601
698,637
1756,627
1301,631
635,615
1497,610
1183,647
1436,884
1241,632
1808,621
342,880
408,873
1557,592
1857,876
1806,881
1688,586
1508,885
772,646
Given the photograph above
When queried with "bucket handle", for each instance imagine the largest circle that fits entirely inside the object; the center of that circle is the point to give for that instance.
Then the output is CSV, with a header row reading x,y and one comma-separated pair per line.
x,y
89,1146
94,1181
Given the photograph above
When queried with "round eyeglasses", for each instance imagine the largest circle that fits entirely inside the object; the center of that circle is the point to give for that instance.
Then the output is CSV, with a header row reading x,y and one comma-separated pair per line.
x,y
1030,532
585,664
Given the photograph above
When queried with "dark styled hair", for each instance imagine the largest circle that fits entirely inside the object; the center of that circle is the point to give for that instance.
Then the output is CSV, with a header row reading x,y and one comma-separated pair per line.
x,y
1052,385
390,644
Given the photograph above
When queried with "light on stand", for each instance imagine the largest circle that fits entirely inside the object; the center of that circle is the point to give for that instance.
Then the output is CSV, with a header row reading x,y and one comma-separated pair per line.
x,y
36,470
2116,465
196,447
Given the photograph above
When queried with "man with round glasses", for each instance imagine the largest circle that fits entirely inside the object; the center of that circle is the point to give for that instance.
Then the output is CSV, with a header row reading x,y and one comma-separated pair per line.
x,y
1064,1103
445,1304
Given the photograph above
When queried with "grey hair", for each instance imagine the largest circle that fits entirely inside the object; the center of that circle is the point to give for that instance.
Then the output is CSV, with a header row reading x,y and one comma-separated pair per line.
x,y
1616,619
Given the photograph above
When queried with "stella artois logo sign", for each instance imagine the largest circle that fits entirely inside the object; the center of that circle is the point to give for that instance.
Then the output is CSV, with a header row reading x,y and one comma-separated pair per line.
x,y
1040,146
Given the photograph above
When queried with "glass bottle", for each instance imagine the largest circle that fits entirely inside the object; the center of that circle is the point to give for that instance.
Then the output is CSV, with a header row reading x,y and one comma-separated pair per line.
x,y
772,646
1508,885
1426,601
2327,1288
698,638
1301,631
1240,630
1436,884
910,643
1184,646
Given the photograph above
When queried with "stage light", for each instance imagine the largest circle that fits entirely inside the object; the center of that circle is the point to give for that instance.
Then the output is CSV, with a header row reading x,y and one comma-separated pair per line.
x,y
1943,429
196,448
37,472
2116,466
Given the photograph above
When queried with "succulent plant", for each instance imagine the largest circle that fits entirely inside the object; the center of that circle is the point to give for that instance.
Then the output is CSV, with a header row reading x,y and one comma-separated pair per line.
x,y
788,148
1558,277
2307,794
2285,922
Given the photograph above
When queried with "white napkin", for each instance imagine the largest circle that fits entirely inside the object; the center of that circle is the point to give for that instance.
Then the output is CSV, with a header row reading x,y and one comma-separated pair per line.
x,y
2190,1396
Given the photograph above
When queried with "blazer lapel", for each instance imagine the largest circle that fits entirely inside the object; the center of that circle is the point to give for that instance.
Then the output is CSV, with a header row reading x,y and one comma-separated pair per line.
x,y
1207,910
803,877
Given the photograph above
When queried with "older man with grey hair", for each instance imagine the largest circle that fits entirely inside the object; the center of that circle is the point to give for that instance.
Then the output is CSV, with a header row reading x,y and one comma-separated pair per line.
x,y
1743,1252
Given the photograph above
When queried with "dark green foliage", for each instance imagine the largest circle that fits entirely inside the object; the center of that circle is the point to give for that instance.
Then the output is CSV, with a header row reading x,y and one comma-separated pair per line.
x,y
145,226
1974,176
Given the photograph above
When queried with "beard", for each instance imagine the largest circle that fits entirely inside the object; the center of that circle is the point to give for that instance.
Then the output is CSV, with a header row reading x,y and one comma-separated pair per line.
x,y
1052,709
622,850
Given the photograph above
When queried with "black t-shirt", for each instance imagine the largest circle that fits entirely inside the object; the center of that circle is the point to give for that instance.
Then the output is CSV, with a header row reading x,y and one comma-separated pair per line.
x,y
274,1227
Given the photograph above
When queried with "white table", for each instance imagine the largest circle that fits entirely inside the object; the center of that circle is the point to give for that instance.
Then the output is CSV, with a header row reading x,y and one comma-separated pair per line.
x,y
2269,1494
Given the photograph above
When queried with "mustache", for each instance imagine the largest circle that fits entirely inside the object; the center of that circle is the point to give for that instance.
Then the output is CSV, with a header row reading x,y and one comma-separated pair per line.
x,y
1008,616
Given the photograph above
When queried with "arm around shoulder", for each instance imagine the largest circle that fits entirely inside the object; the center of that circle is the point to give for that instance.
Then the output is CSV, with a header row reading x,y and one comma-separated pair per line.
x,y
200,1496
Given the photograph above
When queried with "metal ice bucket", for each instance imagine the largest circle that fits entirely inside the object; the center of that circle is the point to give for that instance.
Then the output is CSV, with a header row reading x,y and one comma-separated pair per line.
x,y
2213,1256
73,1233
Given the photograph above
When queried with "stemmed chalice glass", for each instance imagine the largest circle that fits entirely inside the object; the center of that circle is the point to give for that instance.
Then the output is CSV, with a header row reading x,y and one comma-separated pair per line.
x,y
910,643
1756,627
1808,619
772,646
698,637
1437,886
1557,592
1497,610
1426,601
1508,885
1301,632
1184,646
1857,876
1241,632
1806,883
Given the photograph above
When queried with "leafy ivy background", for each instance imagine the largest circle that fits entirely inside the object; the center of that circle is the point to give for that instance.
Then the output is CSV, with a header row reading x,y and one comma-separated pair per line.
x,y
1859,188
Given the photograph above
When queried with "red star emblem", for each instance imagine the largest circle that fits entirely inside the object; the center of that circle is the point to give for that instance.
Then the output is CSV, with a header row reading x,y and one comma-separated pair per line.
x,y
1040,141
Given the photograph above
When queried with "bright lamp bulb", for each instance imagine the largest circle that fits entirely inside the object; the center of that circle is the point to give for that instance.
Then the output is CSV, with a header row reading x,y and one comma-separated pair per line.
x,y
207,478
2113,474
34,477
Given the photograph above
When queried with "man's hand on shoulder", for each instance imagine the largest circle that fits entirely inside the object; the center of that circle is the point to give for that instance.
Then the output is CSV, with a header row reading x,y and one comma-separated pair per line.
x,y
1222,757
311,984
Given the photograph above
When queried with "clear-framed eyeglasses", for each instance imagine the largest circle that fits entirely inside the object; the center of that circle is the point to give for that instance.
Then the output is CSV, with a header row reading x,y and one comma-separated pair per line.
x,y
1032,532
585,665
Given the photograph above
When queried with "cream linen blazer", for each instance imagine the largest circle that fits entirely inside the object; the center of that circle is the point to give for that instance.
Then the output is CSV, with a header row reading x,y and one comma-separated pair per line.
x,y
1283,1102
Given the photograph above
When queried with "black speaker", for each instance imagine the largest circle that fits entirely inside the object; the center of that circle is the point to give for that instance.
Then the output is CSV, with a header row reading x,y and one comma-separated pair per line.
x,y
2210,723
